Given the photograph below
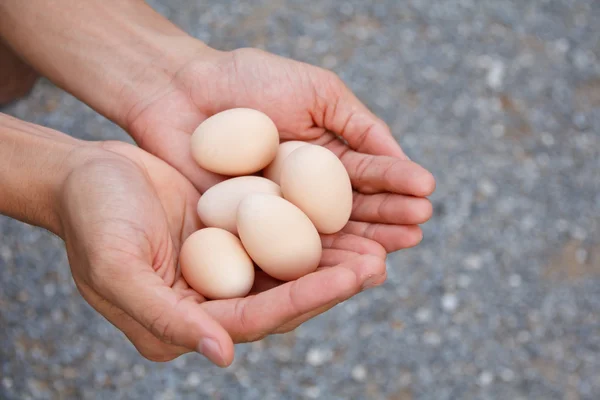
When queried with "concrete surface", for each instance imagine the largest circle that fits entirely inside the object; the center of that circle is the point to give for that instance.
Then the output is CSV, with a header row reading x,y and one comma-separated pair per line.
x,y
501,100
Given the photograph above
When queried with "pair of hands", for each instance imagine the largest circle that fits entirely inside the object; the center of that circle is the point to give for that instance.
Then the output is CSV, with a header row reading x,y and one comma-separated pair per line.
x,y
125,212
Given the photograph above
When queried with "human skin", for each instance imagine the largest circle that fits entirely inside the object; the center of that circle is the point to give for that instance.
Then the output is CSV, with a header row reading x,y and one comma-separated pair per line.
x,y
139,70
16,77
124,214
159,84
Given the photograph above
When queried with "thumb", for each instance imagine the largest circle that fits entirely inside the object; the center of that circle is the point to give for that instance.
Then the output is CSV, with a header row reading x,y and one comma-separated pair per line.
x,y
345,115
171,317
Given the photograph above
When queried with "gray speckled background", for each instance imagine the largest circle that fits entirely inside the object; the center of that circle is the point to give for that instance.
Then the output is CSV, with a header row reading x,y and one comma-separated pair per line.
x,y
501,100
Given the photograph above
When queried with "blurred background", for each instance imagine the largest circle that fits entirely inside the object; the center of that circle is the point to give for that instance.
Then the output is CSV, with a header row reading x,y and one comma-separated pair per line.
x,y
500,99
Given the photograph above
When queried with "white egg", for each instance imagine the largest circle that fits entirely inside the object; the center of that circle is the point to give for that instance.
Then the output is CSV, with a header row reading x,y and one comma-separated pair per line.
x,y
278,236
215,264
240,141
273,170
314,179
218,205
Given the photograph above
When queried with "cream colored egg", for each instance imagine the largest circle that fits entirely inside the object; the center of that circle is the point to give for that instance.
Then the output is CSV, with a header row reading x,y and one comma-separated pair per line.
x,y
278,236
316,181
273,170
239,141
215,264
218,205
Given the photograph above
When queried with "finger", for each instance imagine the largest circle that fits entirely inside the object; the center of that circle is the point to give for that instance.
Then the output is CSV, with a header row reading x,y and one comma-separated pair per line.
x,y
172,318
388,208
254,317
391,237
344,114
337,249
296,322
370,278
144,341
176,152
332,257
355,243
373,174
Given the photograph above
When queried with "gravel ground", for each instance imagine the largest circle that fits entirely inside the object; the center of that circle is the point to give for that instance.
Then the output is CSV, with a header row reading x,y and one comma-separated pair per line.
x,y
501,100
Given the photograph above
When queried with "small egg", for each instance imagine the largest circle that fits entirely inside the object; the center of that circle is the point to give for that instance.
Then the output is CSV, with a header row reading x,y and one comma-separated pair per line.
x,y
316,181
278,236
218,205
273,170
215,264
240,141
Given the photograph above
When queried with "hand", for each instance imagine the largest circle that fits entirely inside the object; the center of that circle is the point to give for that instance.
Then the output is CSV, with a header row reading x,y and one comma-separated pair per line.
x,y
160,84
307,103
124,215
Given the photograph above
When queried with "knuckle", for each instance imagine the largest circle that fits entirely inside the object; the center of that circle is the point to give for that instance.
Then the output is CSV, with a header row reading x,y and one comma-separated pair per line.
x,y
362,168
380,252
247,328
293,296
158,356
333,83
383,207
383,278
427,211
160,325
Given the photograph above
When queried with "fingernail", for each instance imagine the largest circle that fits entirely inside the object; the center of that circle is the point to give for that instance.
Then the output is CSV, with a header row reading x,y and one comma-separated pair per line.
x,y
371,282
210,349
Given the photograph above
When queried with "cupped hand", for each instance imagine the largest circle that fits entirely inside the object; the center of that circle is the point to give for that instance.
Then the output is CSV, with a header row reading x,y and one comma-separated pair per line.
x,y
306,103
124,215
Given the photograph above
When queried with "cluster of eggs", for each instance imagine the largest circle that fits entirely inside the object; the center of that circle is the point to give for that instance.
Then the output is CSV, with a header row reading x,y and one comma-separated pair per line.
x,y
270,211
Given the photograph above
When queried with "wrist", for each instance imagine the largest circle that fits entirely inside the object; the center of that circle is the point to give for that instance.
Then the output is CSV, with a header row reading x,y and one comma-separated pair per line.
x,y
160,76
35,163
111,54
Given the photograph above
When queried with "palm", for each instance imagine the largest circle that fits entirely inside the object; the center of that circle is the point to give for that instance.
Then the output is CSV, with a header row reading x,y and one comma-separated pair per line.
x,y
306,103
126,265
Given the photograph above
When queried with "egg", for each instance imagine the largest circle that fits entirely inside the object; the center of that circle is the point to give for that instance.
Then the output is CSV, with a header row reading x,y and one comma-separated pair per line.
x,y
273,170
239,141
278,236
215,264
316,181
218,205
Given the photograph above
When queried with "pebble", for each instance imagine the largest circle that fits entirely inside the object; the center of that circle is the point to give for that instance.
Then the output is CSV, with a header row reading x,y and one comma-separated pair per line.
x,y
193,379
282,354
495,76
487,187
359,373
254,357
547,139
507,375
423,315
111,355
515,281
49,289
312,392
139,371
486,378
168,394
7,383
432,339
449,302
581,256
498,131
523,337
317,357
473,262
5,253
463,281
